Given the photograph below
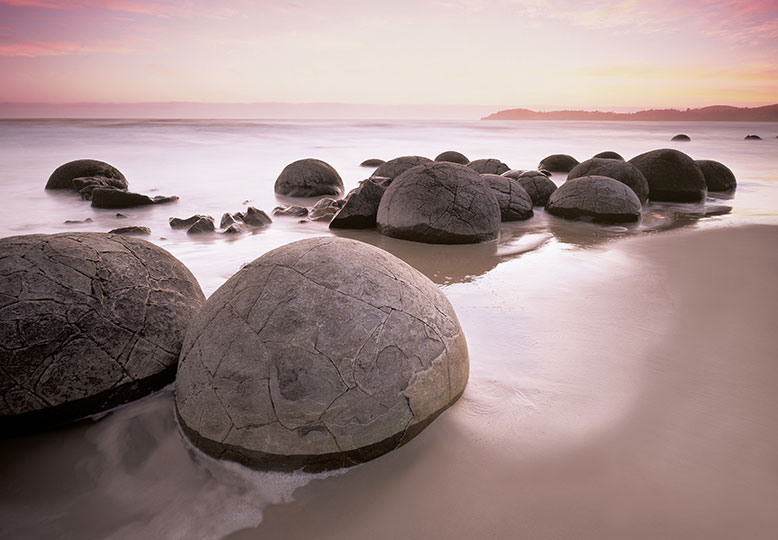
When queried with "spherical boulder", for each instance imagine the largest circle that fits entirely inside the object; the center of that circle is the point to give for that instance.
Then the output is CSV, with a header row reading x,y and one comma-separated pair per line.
x,y
372,162
672,176
718,177
62,177
87,321
558,163
622,171
538,186
321,354
452,157
681,137
608,155
595,198
395,167
439,203
515,203
308,178
488,166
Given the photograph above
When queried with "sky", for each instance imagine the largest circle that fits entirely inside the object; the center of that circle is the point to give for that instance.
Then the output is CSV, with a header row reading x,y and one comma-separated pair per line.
x,y
543,55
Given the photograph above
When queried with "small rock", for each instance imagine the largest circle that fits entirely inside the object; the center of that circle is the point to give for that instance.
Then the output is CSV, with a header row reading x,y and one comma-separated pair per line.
x,y
235,228
373,162
324,209
120,216
753,138
681,137
74,221
294,211
202,225
227,220
131,230
179,223
114,198
254,217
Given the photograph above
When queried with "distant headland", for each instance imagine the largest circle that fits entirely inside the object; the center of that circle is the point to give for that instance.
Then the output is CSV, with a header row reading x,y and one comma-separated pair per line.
x,y
716,113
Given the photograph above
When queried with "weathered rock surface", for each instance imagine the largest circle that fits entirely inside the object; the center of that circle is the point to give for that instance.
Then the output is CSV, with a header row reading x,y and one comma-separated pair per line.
x,y
558,163
515,203
202,225
624,172
488,166
718,177
514,173
671,175
681,137
609,155
131,230
254,217
227,220
62,177
86,185
294,211
395,167
321,354
452,157
538,186
360,208
114,198
596,198
372,162
325,209
185,223
439,203
308,178
87,321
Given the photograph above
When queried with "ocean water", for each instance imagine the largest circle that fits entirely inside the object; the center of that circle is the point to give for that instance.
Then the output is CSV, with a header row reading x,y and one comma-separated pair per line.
x,y
129,474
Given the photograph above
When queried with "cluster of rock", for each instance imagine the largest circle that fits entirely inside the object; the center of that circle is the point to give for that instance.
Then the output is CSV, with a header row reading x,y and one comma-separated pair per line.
x,y
229,223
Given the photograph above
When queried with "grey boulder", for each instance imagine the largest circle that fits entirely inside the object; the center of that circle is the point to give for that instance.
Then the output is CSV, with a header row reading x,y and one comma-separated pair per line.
x,y
718,177
488,166
624,172
372,162
185,223
131,230
62,177
558,163
395,167
515,203
595,198
308,178
452,157
609,155
538,186
361,207
672,176
115,198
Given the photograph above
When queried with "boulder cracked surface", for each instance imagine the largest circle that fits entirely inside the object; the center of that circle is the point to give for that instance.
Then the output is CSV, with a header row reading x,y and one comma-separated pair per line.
x,y
515,203
439,203
624,172
395,167
672,176
596,198
320,354
63,176
538,186
308,178
87,321
488,166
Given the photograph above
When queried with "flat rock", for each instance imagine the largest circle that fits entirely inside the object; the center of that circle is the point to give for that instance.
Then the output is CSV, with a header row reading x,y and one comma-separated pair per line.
x,y
558,163
672,176
360,208
131,230
62,177
718,177
114,198
538,186
595,198
452,156
308,178
624,172
321,354
87,321
395,167
515,203
488,166
439,203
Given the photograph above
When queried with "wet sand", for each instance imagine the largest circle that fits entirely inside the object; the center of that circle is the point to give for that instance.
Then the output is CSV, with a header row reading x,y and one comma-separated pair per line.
x,y
626,391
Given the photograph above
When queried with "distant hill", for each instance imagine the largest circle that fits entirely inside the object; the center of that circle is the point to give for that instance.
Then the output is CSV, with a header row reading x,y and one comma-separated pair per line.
x,y
716,113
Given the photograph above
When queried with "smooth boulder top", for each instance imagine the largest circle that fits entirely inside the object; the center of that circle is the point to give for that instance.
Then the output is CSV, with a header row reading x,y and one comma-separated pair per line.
x,y
622,171
515,203
395,167
488,166
439,203
672,176
718,177
87,321
682,137
308,178
62,177
558,163
596,198
321,354
538,186
609,155
452,156
372,162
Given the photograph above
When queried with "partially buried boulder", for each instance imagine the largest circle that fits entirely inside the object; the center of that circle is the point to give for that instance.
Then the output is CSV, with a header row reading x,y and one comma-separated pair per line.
x,y
361,207
681,137
115,198
395,167
439,203
372,162
62,177
488,166
538,186
608,155
595,198
624,172
308,178
672,176
718,177
558,163
452,157
515,203
321,354
87,321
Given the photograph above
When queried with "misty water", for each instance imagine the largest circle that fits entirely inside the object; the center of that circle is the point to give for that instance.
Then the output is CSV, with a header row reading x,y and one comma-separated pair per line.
x,y
129,474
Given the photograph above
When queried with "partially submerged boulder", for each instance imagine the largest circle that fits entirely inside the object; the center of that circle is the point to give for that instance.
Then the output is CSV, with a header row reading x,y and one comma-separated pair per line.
x,y
439,203
360,208
254,217
624,172
114,198
672,176
395,167
681,137
452,157
87,321
538,186
488,166
308,178
62,177
718,177
609,155
595,198
372,162
321,354
558,163
515,203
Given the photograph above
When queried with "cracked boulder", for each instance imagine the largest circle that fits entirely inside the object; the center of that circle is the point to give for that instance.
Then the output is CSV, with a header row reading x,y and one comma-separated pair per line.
x,y
321,354
88,321
488,166
538,186
558,163
108,175
395,167
624,172
718,177
595,198
360,207
672,176
439,203
515,203
308,178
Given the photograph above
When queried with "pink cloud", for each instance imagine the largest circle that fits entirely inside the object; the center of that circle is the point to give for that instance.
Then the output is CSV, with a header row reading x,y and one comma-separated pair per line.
x,y
127,6
35,48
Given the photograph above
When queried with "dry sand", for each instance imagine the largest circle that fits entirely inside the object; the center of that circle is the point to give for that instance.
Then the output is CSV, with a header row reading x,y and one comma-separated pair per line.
x,y
619,393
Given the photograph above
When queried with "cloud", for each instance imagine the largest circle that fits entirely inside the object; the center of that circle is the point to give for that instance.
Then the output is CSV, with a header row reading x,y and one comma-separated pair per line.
x,y
28,48
126,6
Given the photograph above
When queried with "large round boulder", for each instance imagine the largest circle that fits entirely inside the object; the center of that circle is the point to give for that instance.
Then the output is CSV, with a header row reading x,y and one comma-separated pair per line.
x,y
488,166
538,186
453,157
622,171
395,167
558,163
515,203
439,203
321,354
595,198
63,176
672,176
718,177
308,178
87,321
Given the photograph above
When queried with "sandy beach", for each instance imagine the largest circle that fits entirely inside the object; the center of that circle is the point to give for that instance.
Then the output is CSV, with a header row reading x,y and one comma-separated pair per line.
x,y
641,381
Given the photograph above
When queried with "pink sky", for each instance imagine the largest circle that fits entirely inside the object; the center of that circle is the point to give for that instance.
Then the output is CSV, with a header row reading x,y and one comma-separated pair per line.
x,y
502,53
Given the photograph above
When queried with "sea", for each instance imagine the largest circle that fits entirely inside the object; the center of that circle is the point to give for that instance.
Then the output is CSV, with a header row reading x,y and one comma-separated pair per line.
x,y
129,473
